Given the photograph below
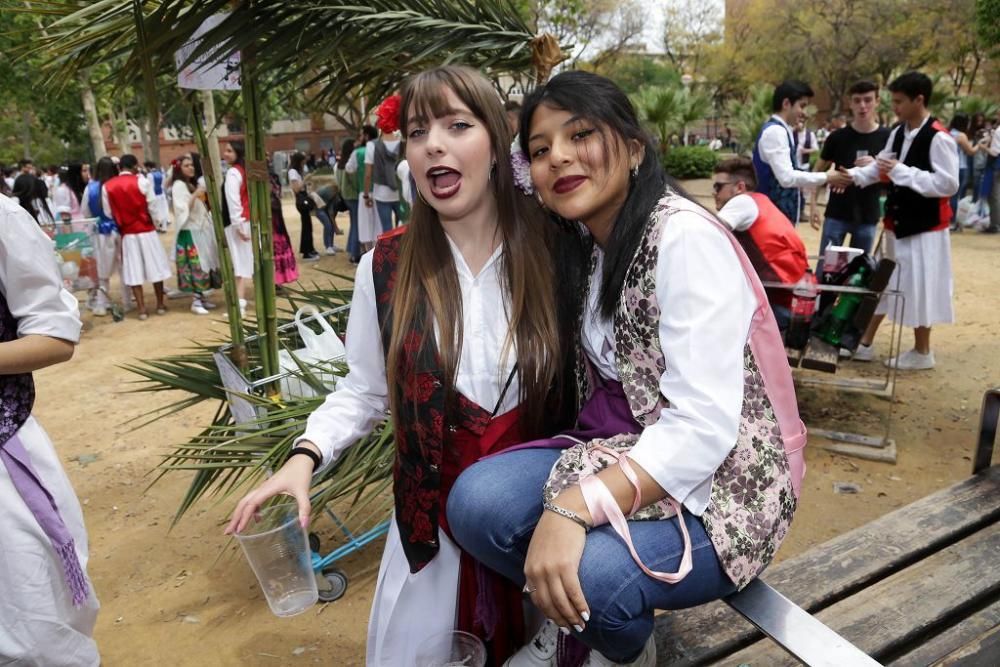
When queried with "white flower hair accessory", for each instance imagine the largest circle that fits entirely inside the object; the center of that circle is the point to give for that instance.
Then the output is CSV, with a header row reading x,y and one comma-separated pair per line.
x,y
521,167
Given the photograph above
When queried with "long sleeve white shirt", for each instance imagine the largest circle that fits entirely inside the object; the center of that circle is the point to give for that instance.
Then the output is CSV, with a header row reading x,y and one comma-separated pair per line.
x,y
942,182
361,399
143,188
232,187
775,149
739,213
30,280
994,147
706,305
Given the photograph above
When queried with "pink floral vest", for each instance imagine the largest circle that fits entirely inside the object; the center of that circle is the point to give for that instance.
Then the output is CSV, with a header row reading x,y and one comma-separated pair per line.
x,y
755,489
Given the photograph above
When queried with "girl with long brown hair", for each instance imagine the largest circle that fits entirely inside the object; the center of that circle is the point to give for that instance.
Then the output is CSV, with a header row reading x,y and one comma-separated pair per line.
x,y
455,327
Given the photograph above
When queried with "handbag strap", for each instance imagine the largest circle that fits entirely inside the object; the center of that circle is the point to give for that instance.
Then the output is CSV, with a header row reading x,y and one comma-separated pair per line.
x,y
604,509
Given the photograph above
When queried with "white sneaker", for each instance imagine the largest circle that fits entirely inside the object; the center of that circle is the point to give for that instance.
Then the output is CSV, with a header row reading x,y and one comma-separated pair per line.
x,y
646,659
197,308
205,303
540,651
99,311
173,293
331,251
864,353
912,360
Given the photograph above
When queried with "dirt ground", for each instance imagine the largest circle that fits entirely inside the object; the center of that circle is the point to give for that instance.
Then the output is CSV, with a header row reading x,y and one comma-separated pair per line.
x,y
183,597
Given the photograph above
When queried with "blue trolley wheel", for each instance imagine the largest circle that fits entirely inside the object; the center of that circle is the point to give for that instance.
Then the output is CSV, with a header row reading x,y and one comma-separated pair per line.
x,y
333,584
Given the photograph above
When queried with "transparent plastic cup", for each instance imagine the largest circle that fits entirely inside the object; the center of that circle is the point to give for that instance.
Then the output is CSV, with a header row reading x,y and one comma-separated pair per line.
x,y
277,549
451,649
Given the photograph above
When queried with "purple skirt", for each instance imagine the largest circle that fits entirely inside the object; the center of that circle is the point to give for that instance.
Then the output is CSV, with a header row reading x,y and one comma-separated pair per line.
x,y
604,415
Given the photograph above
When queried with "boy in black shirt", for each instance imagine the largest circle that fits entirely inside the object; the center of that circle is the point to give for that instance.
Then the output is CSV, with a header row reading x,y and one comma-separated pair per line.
x,y
853,211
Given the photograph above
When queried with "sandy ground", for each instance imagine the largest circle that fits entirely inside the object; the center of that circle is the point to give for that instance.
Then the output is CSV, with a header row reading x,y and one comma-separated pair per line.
x,y
183,597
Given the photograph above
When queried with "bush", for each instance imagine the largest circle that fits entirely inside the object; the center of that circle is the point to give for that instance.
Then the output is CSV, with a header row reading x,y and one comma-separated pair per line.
x,y
690,162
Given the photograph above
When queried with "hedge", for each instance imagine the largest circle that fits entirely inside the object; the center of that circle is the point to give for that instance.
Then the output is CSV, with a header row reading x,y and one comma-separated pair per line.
x,y
690,162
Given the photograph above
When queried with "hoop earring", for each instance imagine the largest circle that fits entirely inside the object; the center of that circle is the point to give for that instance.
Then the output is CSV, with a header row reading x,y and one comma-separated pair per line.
x,y
541,204
635,171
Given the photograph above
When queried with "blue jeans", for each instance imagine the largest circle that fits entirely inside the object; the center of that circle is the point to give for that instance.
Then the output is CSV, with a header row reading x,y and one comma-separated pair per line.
x,y
963,183
324,218
834,232
353,245
386,209
494,507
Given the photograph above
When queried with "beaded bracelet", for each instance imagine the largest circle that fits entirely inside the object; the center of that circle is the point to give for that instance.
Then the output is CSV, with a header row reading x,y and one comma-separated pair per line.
x,y
569,514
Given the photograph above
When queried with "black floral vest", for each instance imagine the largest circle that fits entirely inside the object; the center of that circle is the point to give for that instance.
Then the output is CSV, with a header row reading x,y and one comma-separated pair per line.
x,y
424,423
17,392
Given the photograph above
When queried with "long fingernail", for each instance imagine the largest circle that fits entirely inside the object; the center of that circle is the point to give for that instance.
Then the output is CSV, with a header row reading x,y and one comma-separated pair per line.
x,y
585,616
563,630
578,628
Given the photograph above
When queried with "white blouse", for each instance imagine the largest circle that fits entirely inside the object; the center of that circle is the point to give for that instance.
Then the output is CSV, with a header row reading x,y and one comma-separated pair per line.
x,y
30,280
706,305
361,399
233,185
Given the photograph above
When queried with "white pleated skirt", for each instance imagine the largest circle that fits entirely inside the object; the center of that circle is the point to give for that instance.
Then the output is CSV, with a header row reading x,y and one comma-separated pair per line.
x,y
143,259
923,275
38,623
241,252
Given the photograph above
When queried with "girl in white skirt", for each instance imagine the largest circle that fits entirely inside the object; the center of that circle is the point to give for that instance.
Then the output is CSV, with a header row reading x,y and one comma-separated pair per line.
x,y
47,605
237,205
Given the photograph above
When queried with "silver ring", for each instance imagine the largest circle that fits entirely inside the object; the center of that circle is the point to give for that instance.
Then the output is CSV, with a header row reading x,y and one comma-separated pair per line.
x,y
528,589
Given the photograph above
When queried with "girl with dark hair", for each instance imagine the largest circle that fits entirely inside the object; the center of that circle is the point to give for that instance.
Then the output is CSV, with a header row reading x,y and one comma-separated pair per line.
x,y
966,151
454,328
303,204
689,405
33,196
285,270
107,242
236,211
195,251
69,192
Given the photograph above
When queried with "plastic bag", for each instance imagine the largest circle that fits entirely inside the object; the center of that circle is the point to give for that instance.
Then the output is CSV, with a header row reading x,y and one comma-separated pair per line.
x,y
974,214
319,351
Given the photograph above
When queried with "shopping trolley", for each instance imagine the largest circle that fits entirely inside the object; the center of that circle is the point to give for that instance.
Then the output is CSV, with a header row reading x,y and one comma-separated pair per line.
x,y
74,245
248,402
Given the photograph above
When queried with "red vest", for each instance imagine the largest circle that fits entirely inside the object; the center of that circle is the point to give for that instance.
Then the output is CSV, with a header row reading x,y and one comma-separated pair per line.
x,y
774,249
244,192
128,205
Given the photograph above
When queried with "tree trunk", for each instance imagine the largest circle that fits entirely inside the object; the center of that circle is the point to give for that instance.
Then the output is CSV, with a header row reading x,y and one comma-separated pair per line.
x,y
153,134
26,133
145,139
119,124
212,161
93,122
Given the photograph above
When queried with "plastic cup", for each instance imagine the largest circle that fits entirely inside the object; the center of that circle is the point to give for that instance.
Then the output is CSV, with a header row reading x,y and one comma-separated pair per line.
x,y
277,549
451,649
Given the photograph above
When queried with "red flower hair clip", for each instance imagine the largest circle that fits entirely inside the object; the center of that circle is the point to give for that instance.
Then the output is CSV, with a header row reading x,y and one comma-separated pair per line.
x,y
388,114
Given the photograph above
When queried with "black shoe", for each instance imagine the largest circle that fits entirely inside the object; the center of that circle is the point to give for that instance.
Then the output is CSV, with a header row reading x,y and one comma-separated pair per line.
x,y
311,257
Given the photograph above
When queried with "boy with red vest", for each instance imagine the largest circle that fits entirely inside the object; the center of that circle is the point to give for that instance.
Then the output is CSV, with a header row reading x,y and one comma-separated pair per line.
x,y
766,234
128,199
920,163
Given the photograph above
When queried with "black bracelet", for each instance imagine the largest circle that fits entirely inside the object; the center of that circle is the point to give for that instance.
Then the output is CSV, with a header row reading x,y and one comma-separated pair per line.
x,y
305,451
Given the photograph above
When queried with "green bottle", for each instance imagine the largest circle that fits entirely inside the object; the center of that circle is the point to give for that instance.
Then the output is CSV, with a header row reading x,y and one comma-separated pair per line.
x,y
844,308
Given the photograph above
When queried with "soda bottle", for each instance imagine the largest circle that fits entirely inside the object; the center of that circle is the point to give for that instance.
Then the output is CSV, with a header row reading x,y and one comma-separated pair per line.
x,y
803,306
844,308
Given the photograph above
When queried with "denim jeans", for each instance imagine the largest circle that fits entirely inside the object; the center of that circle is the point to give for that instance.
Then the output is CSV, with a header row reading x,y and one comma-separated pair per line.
x,y
324,218
386,209
353,245
963,183
494,507
834,232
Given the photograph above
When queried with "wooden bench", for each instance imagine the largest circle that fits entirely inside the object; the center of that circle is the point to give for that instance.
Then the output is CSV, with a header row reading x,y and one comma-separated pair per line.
x,y
919,586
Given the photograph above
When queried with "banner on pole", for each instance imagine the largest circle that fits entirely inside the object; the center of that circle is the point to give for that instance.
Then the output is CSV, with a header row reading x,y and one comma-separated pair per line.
x,y
211,70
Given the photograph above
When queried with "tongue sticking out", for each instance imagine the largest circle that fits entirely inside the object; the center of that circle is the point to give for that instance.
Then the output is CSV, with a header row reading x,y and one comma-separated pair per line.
x,y
446,180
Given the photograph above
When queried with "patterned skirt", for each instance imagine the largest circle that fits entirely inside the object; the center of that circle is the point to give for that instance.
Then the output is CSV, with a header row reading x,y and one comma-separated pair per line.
x,y
191,277
285,270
